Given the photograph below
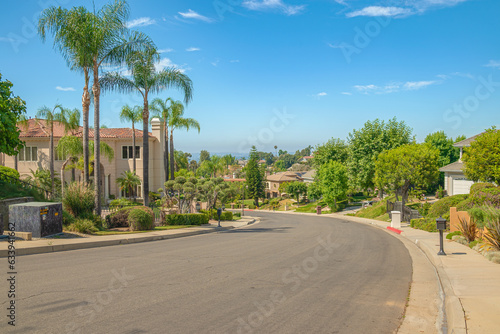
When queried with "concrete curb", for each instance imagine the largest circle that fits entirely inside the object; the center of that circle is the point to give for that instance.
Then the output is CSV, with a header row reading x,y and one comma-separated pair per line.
x,y
127,239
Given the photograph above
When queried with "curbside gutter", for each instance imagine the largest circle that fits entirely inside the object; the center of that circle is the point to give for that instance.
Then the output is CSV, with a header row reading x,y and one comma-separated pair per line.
x,y
117,240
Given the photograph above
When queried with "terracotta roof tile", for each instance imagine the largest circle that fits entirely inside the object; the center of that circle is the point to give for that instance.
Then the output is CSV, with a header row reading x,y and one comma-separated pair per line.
x,y
39,129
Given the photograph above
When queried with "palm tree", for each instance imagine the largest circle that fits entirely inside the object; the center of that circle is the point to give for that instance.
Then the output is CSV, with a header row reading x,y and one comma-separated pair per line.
x,y
145,80
133,115
72,148
129,181
163,110
51,116
88,40
72,31
178,122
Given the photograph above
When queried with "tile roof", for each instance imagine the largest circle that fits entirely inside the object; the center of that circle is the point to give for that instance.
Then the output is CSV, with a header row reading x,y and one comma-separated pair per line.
x,y
453,167
38,128
284,177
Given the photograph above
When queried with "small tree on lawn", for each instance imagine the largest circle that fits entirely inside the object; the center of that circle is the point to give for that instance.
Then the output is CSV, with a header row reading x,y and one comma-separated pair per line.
x,y
333,181
411,165
482,158
296,189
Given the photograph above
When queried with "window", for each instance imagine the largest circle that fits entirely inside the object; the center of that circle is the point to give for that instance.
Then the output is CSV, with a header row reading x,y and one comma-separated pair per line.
x,y
127,152
59,157
28,153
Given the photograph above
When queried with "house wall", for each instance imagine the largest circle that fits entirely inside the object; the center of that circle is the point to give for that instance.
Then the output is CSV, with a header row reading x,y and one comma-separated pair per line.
x,y
112,169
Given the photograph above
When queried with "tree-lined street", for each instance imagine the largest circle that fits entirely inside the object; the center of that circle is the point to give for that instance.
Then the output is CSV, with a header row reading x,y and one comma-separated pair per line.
x,y
286,274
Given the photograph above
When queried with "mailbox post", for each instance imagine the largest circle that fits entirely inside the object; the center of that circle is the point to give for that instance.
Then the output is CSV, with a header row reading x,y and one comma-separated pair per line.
x,y
219,212
441,226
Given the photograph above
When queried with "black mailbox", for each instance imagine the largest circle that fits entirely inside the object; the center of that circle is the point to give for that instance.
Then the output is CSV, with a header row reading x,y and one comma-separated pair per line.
x,y
441,224
219,212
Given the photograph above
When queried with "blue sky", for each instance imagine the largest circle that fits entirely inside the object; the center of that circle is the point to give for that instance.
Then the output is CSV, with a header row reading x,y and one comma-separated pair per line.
x,y
290,73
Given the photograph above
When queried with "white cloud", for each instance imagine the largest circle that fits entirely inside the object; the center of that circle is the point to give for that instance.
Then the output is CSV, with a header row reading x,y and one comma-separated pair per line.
x,y
380,11
394,87
494,64
6,39
215,63
65,89
191,14
165,50
273,4
321,94
141,22
414,85
167,63
411,7
346,93
191,49
234,61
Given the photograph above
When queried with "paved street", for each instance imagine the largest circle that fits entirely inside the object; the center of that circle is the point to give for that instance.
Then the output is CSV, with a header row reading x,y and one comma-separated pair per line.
x,y
286,274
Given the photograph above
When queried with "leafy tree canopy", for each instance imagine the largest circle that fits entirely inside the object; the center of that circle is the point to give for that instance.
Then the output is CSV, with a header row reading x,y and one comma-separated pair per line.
x,y
368,142
333,182
334,149
482,158
11,109
254,177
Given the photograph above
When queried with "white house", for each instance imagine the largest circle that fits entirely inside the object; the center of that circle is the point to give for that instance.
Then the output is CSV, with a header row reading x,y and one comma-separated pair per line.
x,y
455,181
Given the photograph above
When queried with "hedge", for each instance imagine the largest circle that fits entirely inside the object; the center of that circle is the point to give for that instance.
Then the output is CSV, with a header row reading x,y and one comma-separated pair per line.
x,y
136,218
186,219
425,224
9,172
442,207
212,214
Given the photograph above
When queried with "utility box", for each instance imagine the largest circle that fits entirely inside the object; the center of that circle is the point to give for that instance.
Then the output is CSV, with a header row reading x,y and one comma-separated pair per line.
x,y
396,219
39,218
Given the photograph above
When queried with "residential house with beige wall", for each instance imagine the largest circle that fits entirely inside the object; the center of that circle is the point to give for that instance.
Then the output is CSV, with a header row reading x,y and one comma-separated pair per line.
x,y
35,155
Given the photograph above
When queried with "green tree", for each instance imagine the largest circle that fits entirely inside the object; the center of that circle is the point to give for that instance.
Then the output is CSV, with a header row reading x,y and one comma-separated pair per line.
x,y
333,150
11,109
333,181
367,143
145,80
482,158
296,189
447,153
132,115
254,177
204,155
410,165
50,117
279,166
128,182
177,121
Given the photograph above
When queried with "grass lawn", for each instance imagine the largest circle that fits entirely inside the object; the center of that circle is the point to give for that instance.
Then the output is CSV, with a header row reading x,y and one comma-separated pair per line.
x,y
158,228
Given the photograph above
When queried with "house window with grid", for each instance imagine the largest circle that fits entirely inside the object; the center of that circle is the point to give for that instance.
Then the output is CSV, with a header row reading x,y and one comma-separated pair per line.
x,y
28,153
127,152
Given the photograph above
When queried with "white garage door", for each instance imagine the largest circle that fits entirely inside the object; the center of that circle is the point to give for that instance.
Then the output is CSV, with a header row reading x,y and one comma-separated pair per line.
x,y
461,186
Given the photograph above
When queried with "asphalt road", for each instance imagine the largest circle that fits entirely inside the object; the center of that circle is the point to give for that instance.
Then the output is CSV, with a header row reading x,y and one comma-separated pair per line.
x,y
287,274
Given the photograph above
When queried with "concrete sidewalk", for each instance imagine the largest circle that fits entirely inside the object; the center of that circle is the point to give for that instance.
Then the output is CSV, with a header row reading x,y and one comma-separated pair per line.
x,y
470,282
47,245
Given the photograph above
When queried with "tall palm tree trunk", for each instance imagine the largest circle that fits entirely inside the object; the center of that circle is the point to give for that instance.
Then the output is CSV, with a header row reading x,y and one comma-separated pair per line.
x,y
165,154
172,161
85,111
97,142
145,153
15,162
51,158
133,147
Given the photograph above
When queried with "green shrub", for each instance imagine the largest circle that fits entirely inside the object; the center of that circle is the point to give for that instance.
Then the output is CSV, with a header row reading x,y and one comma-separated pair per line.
x,y
478,215
251,206
7,171
373,211
443,206
440,192
212,214
153,196
425,224
449,236
141,219
474,243
79,199
121,202
82,225
186,219
480,186
118,218
68,219
237,214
